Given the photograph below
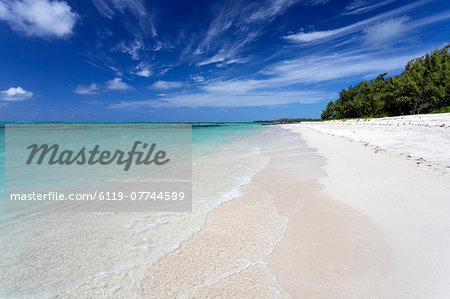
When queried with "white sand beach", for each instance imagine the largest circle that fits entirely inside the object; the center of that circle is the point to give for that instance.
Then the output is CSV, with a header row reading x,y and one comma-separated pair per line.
x,y
393,173
424,139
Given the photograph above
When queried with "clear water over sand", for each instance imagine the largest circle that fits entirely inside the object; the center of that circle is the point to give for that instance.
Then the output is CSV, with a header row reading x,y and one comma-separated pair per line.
x,y
46,254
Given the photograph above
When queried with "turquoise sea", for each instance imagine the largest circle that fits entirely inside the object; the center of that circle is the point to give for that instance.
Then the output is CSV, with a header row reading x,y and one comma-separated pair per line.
x,y
225,156
206,137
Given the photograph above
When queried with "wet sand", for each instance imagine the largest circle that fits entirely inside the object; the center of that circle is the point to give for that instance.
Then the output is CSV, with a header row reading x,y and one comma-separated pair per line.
x,y
329,249
281,238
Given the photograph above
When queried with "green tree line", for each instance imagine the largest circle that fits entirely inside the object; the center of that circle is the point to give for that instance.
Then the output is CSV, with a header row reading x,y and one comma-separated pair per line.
x,y
423,87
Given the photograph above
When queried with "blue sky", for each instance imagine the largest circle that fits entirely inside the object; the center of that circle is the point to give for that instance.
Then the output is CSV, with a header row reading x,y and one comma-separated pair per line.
x,y
133,60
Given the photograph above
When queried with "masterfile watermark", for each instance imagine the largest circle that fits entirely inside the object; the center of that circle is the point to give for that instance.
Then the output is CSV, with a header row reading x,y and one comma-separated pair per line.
x,y
99,196
98,167
147,156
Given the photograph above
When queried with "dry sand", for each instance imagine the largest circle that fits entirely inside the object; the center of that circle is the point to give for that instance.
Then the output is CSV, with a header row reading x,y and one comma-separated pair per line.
x,y
424,139
407,203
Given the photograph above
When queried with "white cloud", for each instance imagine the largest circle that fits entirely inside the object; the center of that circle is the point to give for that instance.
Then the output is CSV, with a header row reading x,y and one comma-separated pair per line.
x,y
328,35
117,84
42,18
103,8
91,89
386,33
271,9
128,28
316,2
355,4
224,59
107,7
429,20
164,70
244,22
15,94
111,8
164,85
218,57
132,48
311,70
363,6
313,36
389,32
232,61
338,66
234,86
144,73
226,100
197,78
142,70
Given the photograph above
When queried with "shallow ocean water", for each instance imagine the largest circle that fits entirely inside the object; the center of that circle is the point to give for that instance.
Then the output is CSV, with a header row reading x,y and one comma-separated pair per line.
x,y
48,253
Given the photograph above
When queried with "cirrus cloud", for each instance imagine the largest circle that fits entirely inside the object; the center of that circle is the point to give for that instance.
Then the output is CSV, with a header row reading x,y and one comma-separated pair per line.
x,y
363,6
316,37
205,99
287,82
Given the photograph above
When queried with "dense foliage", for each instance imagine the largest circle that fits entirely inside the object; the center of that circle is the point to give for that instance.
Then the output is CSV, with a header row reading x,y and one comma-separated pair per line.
x,y
423,87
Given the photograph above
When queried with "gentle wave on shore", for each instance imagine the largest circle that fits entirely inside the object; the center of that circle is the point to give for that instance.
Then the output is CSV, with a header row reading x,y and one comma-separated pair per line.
x,y
46,254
